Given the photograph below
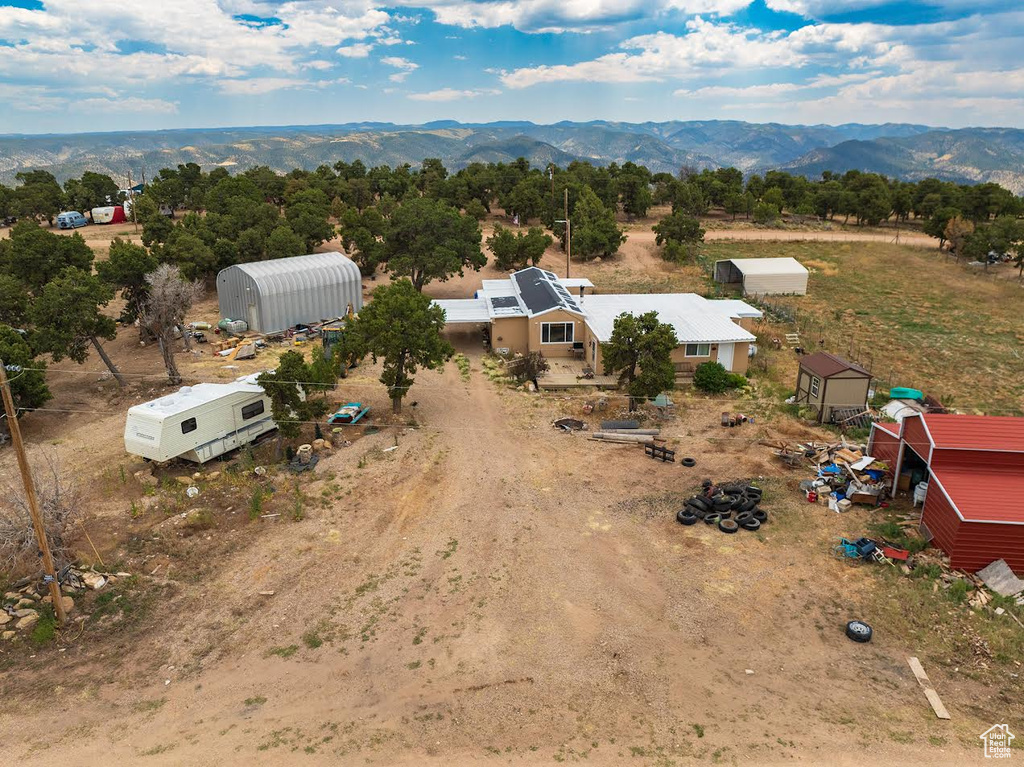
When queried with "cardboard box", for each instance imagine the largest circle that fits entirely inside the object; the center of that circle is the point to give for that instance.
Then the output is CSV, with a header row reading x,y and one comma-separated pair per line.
x,y
903,483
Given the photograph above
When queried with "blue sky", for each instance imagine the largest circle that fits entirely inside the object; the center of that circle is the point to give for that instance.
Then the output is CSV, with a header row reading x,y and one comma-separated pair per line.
x,y
96,65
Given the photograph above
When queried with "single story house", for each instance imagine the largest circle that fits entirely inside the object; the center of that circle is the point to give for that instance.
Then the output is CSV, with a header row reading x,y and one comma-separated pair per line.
x,y
974,470
763,276
534,311
272,296
828,383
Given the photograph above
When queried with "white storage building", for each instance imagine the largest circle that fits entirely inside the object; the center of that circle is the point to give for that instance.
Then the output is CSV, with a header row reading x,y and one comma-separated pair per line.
x,y
763,276
272,296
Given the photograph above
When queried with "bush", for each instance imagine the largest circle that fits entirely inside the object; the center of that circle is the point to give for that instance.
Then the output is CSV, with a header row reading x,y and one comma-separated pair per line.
x,y
766,213
712,378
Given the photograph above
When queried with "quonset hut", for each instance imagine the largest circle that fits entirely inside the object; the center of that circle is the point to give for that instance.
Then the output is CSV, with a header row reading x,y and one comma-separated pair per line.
x,y
272,296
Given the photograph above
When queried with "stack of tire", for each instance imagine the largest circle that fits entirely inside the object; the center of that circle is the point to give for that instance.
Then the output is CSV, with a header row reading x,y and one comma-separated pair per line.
x,y
730,507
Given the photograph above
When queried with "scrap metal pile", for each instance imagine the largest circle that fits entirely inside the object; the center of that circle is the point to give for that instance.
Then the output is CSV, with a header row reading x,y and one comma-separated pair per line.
x,y
730,507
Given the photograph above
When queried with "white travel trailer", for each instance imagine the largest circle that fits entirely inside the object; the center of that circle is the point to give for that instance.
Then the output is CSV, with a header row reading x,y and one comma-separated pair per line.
x,y
199,422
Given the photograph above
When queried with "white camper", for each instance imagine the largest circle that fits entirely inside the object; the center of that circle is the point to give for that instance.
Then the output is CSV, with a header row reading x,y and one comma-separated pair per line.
x,y
199,422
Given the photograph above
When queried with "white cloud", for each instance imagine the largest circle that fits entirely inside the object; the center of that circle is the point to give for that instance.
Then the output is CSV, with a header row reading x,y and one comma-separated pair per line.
x,y
259,85
706,47
80,41
129,104
355,51
405,66
562,16
451,94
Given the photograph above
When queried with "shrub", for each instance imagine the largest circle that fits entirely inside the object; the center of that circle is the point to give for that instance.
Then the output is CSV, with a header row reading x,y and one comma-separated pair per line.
x,y
766,213
712,378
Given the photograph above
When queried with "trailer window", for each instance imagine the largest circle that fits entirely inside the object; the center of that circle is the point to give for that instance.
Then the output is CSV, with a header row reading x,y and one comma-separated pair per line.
x,y
253,410
188,425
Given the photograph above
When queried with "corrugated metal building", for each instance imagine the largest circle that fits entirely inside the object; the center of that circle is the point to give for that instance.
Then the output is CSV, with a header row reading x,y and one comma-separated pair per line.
x,y
272,296
974,467
763,276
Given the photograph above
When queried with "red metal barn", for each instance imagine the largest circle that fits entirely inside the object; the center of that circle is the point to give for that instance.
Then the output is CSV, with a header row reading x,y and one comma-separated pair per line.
x,y
884,444
974,468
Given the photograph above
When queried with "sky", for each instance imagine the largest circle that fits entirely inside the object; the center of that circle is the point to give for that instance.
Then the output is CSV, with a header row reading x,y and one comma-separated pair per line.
x,y
101,65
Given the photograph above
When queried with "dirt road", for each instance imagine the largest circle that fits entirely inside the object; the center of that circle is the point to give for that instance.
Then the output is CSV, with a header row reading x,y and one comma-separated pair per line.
x,y
494,591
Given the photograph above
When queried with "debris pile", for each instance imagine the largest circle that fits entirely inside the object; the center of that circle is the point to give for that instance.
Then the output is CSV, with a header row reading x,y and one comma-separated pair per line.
x,y
730,507
843,473
22,604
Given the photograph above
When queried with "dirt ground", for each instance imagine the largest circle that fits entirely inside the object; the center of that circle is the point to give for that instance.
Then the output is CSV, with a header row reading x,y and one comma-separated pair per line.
x,y
469,585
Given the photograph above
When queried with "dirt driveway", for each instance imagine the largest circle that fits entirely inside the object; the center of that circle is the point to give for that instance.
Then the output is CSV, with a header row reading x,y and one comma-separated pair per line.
x,y
494,591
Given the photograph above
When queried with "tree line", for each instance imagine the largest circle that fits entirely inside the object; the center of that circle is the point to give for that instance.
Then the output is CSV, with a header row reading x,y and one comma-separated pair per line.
x,y
418,223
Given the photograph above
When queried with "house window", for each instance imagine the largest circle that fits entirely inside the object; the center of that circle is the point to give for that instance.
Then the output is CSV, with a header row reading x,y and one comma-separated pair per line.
x,y
698,350
556,332
189,424
815,384
253,410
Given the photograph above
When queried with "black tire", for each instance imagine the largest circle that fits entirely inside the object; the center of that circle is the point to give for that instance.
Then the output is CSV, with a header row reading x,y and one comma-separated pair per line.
x,y
725,514
751,524
689,462
753,491
686,517
760,515
728,526
859,631
723,505
698,513
706,484
749,504
743,516
712,519
700,503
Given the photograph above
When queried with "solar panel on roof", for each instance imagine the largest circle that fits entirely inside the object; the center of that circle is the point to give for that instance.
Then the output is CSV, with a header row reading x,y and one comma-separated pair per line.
x,y
504,302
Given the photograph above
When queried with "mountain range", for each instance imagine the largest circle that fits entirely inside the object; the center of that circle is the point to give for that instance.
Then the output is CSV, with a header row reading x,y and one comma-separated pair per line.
x,y
906,151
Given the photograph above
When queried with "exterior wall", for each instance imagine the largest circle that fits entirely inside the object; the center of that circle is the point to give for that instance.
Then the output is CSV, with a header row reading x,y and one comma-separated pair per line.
x,y
914,434
740,359
884,446
978,544
843,390
941,520
510,333
593,352
785,284
554,350
803,388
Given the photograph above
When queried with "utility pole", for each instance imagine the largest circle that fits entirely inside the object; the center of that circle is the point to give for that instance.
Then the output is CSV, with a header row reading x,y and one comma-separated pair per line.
x,y
131,196
568,235
30,496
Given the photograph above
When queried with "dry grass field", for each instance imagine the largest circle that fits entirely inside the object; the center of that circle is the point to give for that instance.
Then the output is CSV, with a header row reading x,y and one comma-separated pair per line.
x,y
469,585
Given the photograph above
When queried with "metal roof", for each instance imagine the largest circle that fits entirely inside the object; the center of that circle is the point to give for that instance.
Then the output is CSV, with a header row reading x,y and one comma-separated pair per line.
x,y
695,319
278,294
277,274
459,310
188,397
975,432
784,265
968,486
736,308
827,365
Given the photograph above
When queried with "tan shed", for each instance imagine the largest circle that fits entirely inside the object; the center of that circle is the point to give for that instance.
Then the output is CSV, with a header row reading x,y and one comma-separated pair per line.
x,y
763,276
828,383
